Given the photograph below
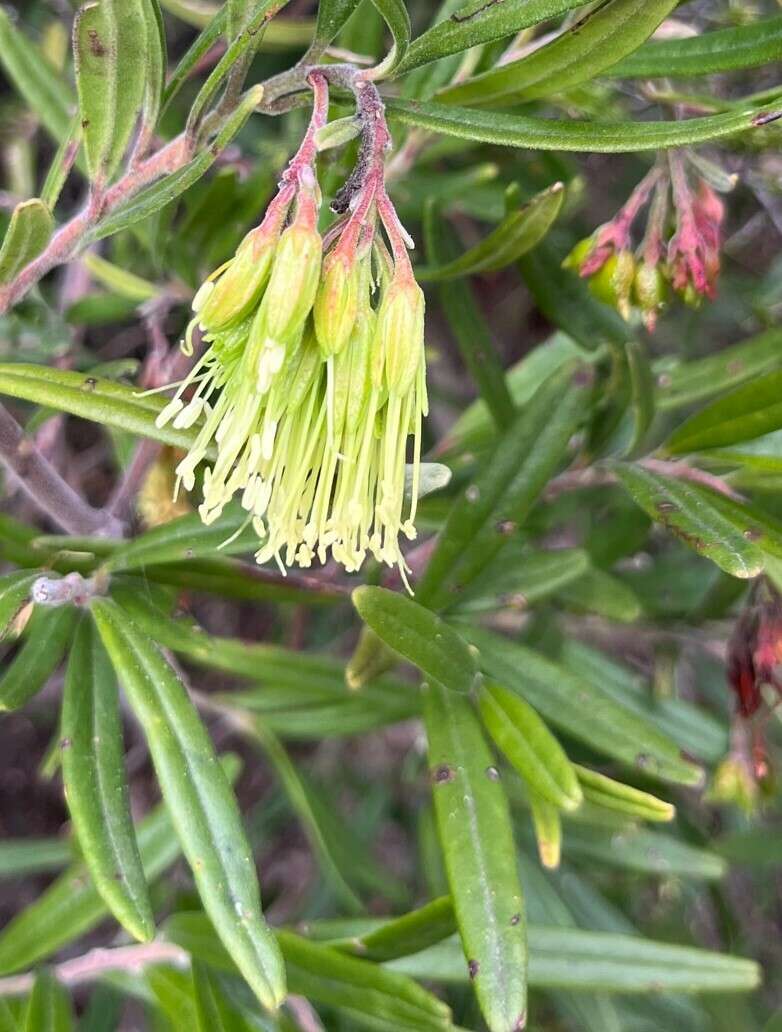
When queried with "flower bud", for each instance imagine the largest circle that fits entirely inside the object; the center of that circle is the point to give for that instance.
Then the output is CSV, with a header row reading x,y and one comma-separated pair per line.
x,y
579,254
649,291
236,292
613,282
293,282
733,783
336,302
399,336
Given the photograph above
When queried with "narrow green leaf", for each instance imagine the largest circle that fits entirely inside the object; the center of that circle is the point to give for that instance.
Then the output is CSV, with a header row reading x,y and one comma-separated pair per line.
x,y
519,577
49,1008
692,513
508,130
748,412
214,1012
393,1003
480,857
394,14
203,807
547,825
482,519
120,280
155,64
641,393
477,22
410,933
591,44
418,635
200,46
614,795
467,324
332,15
45,91
28,233
518,233
61,165
704,377
46,637
172,991
598,719
568,958
72,906
109,44
150,200
647,852
96,786
600,592
26,856
8,1022
721,50
529,746
14,596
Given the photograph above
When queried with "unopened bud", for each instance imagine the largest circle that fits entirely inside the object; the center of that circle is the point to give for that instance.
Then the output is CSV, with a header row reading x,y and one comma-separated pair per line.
x,y
293,282
336,302
579,254
649,291
613,283
236,292
399,336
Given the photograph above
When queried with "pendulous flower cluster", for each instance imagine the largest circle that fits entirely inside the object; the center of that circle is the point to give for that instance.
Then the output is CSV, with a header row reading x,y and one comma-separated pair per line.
x,y
313,381
688,261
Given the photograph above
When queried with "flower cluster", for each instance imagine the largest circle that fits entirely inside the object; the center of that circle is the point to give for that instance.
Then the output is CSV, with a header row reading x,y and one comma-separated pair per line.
x,y
680,247
313,380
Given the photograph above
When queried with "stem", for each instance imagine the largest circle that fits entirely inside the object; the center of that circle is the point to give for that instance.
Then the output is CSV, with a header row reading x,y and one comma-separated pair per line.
x,y
44,485
594,476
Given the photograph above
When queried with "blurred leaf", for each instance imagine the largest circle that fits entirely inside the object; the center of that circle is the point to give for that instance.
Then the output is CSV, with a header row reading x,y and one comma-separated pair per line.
x,y
583,709
641,382
474,825
614,795
648,852
567,958
26,856
479,21
119,280
693,513
481,520
509,130
529,746
548,830
519,232
721,50
214,1012
47,635
518,578
96,785
583,50
49,1008
418,635
110,48
27,235
203,808
748,412
173,991
35,79
14,596
599,592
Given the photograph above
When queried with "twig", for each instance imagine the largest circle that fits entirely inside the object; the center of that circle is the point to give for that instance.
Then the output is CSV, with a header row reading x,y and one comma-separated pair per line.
x,y
44,485
595,476
93,965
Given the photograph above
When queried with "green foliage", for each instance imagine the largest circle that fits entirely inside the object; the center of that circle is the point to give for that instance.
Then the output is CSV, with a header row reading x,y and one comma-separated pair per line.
x,y
454,758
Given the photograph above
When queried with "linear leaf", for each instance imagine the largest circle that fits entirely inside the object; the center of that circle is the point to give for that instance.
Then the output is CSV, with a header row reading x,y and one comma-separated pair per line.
x,y
47,94
200,46
27,856
203,807
509,130
693,513
28,233
394,13
583,709
96,785
14,596
490,509
155,60
529,746
332,15
480,857
602,593
477,22
46,637
547,826
614,795
644,851
519,577
568,958
582,51
518,233
748,412
721,50
49,1007
419,635
410,933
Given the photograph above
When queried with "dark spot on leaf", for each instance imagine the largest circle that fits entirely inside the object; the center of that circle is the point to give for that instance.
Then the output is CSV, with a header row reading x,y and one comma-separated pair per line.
x,y
443,774
189,553
642,760
583,377
85,123
516,919
735,367
664,506
753,534
65,743
765,117
506,527
90,383
473,967
492,774
97,49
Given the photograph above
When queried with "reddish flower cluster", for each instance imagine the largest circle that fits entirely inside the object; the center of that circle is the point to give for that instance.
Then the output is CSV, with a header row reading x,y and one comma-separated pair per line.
x,y
755,650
